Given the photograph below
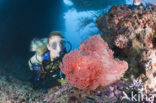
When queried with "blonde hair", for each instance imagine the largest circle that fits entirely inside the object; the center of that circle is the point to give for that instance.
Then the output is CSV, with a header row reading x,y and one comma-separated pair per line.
x,y
55,33
39,45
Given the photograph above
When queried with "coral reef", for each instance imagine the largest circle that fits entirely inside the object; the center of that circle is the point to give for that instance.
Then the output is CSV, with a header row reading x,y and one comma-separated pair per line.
x,y
150,68
130,31
93,66
15,91
67,94
93,74
114,93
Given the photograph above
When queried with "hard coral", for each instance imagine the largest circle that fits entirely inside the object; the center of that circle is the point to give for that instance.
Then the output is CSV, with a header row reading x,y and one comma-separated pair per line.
x,y
150,68
132,37
92,66
133,34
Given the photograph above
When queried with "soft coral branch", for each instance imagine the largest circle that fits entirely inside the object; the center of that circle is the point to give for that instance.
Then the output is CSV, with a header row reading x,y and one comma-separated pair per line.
x,y
93,66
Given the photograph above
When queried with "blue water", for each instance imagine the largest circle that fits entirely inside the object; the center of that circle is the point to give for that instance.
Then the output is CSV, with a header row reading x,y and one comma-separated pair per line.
x,y
73,19
20,22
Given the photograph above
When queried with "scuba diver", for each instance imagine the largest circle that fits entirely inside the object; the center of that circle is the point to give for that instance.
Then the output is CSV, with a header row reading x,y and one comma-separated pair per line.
x,y
49,53
137,4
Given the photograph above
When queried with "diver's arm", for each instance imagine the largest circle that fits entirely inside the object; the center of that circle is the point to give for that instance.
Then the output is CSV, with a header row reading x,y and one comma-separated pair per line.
x,y
30,65
31,62
34,60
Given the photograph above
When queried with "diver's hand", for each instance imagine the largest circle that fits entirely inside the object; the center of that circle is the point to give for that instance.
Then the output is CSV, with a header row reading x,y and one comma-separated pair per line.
x,y
54,75
62,80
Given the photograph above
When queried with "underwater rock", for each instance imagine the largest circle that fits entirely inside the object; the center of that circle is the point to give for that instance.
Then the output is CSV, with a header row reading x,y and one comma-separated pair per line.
x,y
121,41
132,29
16,91
73,99
150,67
84,96
92,66
124,21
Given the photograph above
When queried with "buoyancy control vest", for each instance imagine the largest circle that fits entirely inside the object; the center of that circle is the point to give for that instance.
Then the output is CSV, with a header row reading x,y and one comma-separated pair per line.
x,y
49,66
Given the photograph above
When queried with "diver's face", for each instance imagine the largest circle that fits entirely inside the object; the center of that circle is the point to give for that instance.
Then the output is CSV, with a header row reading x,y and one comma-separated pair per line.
x,y
54,45
137,2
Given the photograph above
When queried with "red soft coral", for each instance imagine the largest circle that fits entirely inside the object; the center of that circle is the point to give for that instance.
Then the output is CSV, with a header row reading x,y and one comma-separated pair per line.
x,y
94,66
